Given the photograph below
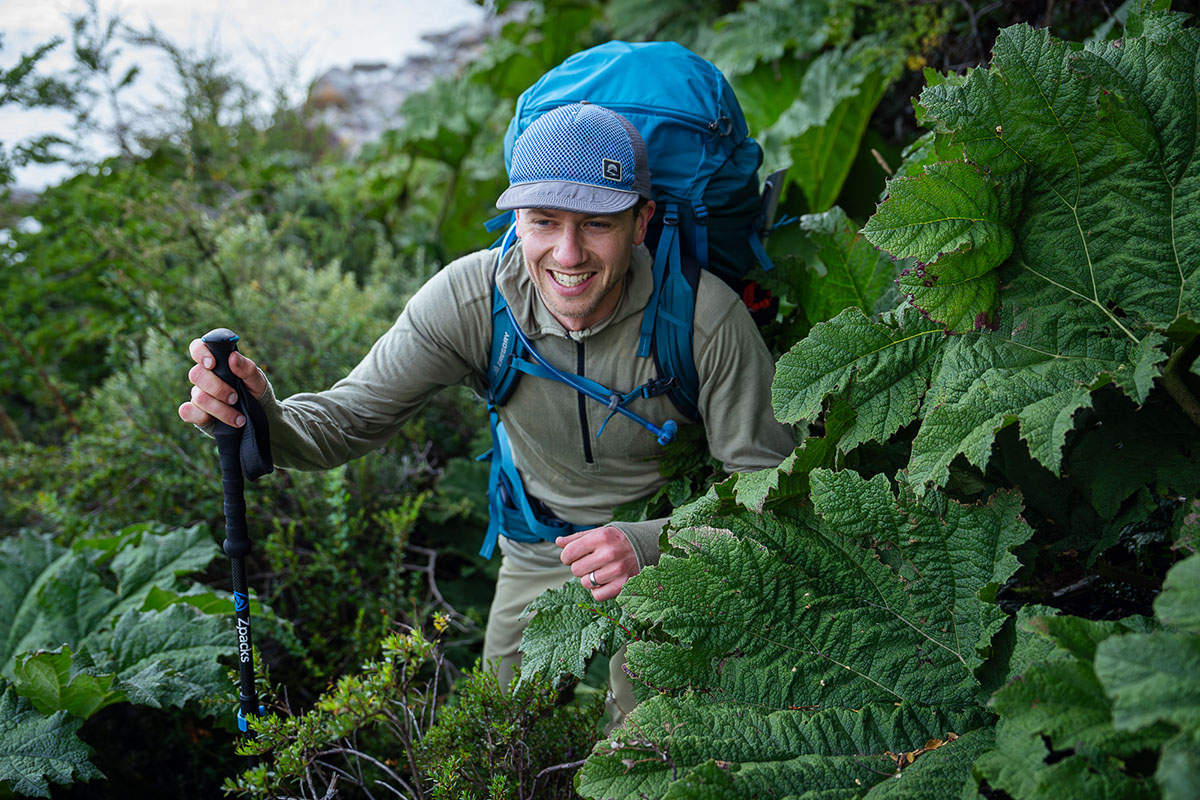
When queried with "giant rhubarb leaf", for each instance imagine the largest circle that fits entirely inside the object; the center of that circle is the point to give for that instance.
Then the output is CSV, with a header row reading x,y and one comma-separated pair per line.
x,y
676,748
949,220
1155,676
567,628
881,367
846,270
865,599
1063,247
824,125
35,750
1106,138
75,644
66,597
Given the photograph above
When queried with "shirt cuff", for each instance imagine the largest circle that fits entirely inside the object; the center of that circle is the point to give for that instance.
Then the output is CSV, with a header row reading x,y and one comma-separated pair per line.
x,y
644,538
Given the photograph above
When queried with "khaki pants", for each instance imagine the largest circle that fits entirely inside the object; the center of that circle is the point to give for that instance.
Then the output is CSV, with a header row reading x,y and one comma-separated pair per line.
x,y
516,588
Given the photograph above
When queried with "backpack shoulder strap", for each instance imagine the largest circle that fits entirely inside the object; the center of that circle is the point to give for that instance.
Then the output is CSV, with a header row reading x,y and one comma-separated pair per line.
x,y
501,376
667,321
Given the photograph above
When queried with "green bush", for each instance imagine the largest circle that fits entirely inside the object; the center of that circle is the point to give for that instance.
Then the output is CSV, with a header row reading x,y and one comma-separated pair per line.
x,y
383,725
1019,430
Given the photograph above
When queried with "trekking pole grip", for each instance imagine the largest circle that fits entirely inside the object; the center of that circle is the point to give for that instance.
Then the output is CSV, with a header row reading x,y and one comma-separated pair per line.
x,y
222,343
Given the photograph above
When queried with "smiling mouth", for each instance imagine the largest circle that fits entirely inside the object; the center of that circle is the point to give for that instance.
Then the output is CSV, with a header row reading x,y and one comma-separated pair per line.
x,y
570,281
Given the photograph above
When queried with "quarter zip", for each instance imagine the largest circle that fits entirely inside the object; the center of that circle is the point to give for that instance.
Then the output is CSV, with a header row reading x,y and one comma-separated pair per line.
x,y
583,423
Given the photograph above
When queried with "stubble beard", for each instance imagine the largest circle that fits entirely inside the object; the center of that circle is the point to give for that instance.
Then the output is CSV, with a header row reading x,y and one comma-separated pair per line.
x,y
574,309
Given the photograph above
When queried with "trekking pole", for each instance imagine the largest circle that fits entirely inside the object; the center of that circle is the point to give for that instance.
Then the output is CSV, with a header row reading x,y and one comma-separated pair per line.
x,y
244,452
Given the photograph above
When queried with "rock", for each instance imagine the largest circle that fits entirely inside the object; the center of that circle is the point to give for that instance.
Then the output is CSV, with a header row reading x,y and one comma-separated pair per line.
x,y
359,103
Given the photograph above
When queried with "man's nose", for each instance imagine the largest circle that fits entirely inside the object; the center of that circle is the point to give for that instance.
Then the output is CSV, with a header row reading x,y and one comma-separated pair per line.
x,y
567,250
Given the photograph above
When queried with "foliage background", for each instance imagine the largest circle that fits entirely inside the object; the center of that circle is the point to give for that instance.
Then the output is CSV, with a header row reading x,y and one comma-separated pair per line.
x,y
252,221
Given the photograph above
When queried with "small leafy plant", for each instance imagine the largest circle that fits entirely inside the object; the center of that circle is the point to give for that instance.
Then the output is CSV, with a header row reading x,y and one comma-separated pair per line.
x,y
382,726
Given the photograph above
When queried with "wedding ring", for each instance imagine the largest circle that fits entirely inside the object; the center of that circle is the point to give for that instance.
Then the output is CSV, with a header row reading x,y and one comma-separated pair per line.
x,y
592,578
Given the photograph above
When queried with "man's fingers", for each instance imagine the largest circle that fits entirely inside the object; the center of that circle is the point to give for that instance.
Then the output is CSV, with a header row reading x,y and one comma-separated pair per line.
x,y
207,406
193,414
250,374
563,541
200,354
601,541
608,591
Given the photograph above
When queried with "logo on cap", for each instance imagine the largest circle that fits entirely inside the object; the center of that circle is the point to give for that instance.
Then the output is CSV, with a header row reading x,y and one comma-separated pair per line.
x,y
612,170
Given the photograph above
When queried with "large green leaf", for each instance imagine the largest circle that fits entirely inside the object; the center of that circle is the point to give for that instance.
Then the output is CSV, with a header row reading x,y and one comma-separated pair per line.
x,y
818,136
814,649
1036,369
159,561
25,563
568,628
795,610
949,220
60,680
1026,769
165,657
1066,239
764,31
1178,772
68,598
1179,603
1107,136
882,367
36,749
674,745
790,480
1153,677
847,270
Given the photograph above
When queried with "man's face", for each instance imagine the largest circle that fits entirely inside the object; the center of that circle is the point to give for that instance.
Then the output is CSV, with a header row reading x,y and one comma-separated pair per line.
x,y
578,261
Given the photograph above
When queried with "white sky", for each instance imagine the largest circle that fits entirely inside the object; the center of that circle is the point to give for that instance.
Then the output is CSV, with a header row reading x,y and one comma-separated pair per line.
x,y
316,35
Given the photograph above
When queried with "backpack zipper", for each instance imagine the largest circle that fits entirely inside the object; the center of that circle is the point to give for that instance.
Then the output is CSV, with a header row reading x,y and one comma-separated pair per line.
x,y
583,423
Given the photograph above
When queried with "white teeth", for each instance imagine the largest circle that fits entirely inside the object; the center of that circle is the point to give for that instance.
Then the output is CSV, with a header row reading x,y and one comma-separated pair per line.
x,y
571,280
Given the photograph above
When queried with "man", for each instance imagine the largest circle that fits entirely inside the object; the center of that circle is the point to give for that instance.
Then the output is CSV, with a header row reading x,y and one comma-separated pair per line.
x,y
577,286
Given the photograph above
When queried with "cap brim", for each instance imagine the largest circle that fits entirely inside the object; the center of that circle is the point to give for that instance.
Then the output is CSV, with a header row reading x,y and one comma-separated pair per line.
x,y
566,196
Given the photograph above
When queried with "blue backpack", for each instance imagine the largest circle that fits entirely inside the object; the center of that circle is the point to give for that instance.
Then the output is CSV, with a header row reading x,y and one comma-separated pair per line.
x,y
710,215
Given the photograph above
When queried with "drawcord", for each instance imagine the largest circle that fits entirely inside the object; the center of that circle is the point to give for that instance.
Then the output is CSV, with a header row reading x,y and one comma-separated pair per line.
x,y
611,400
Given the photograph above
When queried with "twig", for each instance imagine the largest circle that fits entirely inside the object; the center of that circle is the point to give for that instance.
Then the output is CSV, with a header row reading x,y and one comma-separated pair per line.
x,y
390,788
10,428
359,754
882,163
548,770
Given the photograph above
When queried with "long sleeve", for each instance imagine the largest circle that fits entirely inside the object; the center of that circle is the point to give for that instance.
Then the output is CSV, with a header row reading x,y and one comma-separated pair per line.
x,y
439,340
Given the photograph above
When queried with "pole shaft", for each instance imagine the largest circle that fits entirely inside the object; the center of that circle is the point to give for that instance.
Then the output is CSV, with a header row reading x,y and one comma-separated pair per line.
x,y
237,547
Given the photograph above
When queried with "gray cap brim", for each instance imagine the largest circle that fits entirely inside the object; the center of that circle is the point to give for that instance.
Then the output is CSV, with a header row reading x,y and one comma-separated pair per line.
x,y
566,196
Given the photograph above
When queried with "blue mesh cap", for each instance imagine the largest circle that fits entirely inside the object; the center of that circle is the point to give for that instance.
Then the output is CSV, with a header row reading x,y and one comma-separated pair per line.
x,y
580,157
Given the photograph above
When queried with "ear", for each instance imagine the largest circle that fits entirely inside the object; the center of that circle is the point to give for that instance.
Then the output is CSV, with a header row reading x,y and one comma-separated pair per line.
x,y
517,218
641,225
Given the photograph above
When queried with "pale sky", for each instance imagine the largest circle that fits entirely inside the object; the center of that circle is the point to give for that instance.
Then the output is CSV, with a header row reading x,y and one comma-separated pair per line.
x,y
317,35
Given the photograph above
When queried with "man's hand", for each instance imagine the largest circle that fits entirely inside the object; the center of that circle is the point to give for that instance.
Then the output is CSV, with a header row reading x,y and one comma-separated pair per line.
x,y
600,554
211,396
